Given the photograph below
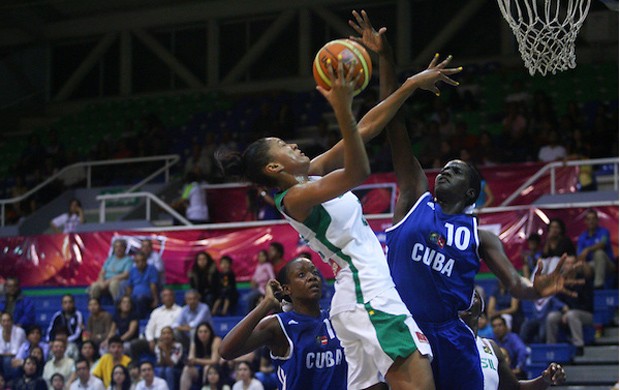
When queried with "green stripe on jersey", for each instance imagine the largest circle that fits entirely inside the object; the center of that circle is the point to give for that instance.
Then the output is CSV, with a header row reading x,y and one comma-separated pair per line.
x,y
393,334
318,221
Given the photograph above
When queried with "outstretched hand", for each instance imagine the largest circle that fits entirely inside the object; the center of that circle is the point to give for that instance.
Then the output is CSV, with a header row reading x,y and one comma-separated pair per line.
x,y
436,72
343,82
559,279
554,374
372,39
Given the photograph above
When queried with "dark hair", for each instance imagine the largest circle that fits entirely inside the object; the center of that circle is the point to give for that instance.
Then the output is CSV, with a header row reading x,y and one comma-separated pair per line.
x,y
57,375
227,258
474,182
95,348
150,363
499,316
278,247
115,340
560,223
534,237
248,164
75,200
592,211
82,359
203,351
95,299
118,305
220,384
126,383
32,328
209,260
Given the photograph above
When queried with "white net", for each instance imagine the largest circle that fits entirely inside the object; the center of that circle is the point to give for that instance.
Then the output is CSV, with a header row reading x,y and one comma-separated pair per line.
x,y
546,31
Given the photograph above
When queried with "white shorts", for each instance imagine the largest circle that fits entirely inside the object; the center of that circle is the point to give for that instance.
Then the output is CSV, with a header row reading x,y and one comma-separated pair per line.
x,y
375,334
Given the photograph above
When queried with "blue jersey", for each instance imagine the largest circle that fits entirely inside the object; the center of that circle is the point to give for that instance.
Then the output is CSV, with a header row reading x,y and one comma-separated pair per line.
x,y
433,258
315,359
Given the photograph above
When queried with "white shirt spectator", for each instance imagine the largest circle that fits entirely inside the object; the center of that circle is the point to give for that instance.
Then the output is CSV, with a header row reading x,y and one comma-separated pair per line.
x,y
254,385
156,261
64,366
197,209
158,384
67,222
550,153
16,339
93,383
160,318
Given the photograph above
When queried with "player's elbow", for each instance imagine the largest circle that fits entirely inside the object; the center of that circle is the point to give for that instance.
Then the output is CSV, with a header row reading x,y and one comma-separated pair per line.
x,y
225,352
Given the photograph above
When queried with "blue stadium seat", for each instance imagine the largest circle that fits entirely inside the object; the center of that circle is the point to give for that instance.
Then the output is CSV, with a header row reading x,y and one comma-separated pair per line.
x,y
221,325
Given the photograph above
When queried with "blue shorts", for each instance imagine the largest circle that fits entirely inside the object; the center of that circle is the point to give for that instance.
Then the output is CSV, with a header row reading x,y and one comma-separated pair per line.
x,y
456,362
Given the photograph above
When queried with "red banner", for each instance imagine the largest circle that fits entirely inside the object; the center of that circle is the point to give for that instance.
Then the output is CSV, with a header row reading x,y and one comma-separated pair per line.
x,y
75,259
231,204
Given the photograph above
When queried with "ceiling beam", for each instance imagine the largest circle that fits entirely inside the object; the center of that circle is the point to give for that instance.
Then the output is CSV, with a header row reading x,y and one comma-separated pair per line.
x,y
161,16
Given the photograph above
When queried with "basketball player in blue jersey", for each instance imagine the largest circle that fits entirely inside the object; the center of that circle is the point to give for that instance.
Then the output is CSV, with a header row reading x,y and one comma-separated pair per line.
x,y
304,348
496,371
434,248
374,326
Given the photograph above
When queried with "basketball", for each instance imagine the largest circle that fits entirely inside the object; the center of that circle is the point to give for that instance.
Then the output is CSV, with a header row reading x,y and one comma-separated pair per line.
x,y
354,57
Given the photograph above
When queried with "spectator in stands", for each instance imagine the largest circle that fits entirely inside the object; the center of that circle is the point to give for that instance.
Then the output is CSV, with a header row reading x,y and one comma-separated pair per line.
x,y
89,351
15,303
552,150
594,247
227,296
30,380
163,316
576,313
142,285
58,382
120,378
99,323
168,353
203,353
103,369
193,200
192,314
245,380
512,343
504,304
198,161
533,327
134,374
214,379
33,339
149,380
487,150
261,204
72,350
124,323
275,252
204,277
11,339
263,273
68,319
58,362
114,272
37,353
531,254
154,258
486,197
67,222
84,379
556,242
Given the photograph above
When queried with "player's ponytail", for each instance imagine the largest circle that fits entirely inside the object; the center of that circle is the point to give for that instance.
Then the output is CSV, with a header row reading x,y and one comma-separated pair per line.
x,y
247,165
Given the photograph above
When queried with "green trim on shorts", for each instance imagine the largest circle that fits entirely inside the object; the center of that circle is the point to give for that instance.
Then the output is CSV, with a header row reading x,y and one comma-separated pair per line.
x,y
393,334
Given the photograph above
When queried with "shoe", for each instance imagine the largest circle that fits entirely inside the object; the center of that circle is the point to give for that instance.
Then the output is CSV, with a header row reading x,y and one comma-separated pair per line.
x,y
579,351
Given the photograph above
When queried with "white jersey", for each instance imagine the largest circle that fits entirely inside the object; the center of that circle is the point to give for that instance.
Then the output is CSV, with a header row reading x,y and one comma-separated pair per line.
x,y
338,232
489,363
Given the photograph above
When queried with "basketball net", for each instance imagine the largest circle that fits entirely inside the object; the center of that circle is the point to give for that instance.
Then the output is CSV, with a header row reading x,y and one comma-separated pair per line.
x,y
546,31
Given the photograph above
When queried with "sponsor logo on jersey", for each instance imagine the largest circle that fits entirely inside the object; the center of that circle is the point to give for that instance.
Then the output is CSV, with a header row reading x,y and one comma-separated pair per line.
x,y
421,337
293,322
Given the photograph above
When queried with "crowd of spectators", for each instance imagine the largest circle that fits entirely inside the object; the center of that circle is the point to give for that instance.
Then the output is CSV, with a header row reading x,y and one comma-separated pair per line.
x,y
177,349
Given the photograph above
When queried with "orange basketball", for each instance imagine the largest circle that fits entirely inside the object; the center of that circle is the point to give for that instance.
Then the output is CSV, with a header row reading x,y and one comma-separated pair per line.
x,y
354,57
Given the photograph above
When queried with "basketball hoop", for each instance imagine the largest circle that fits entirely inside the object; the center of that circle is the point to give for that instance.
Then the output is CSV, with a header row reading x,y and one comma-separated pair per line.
x,y
546,31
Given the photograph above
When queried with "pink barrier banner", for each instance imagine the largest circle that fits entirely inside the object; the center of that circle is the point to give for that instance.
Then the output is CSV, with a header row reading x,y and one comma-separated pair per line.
x,y
75,259
231,204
